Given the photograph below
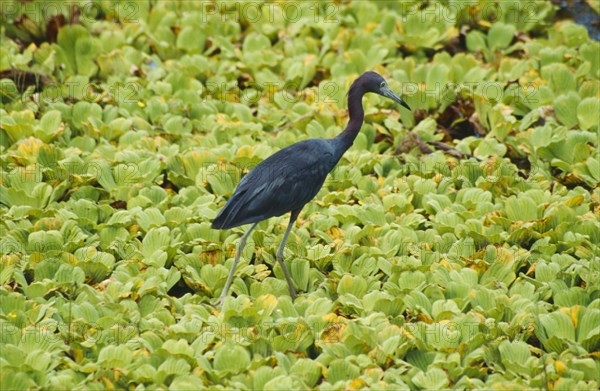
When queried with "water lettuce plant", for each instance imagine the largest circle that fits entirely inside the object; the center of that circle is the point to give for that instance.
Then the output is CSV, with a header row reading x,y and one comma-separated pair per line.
x,y
452,247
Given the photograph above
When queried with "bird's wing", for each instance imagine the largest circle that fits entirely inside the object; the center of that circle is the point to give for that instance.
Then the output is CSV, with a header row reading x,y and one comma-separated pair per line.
x,y
283,182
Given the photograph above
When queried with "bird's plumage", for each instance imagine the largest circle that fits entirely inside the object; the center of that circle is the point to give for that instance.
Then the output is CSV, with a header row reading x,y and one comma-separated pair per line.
x,y
290,178
283,182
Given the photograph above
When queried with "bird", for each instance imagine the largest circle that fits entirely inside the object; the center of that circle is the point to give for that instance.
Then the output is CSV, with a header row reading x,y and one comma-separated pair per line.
x,y
287,180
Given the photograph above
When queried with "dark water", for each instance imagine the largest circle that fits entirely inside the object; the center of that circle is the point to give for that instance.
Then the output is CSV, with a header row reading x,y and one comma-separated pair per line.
x,y
582,13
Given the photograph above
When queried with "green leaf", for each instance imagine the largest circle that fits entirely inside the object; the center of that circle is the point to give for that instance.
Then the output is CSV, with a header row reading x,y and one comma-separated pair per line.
x,y
50,123
566,107
83,112
521,208
173,366
586,113
557,330
354,285
118,356
514,352
490,147
572,297
341,370
78,50
433,379
546,272
476,41
256,42
299,269
501,35
308,370
231,359
191,39
588,333
498,273
156,239
561,78
185,382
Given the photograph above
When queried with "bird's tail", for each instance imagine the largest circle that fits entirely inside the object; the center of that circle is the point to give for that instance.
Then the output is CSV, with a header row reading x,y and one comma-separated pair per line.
x,y
227,216
220,222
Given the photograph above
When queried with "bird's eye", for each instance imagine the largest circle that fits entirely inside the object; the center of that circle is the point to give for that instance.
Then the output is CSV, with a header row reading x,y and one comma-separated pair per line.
x,y
382,84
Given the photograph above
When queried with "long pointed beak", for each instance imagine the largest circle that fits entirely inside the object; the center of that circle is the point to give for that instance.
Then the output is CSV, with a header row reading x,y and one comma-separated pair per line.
x,y
388,93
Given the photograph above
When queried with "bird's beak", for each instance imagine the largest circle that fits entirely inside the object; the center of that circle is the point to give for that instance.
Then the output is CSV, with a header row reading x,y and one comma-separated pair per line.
x,y
387,92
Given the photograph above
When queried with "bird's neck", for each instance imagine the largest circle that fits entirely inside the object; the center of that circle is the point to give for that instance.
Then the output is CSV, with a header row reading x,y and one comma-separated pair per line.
x,y
357,116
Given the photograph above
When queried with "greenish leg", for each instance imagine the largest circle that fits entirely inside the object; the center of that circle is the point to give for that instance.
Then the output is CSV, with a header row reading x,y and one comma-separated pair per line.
x,y
238,254
293,218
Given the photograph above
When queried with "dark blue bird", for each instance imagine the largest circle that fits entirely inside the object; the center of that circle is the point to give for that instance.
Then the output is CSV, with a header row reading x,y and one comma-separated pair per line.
x,y
290,178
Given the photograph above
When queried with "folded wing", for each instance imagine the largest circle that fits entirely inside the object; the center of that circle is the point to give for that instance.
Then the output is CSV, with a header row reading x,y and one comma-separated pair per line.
x,y
284,182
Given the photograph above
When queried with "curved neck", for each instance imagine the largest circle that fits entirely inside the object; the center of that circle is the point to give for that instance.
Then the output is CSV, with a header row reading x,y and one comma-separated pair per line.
x,y
357,116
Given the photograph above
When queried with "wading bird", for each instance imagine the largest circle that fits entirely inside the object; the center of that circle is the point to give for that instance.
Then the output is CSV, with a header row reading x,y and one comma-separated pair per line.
x,y
290,178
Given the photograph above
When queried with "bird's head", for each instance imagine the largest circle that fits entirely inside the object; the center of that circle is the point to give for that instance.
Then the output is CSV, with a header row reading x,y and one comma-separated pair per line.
x,y
374,82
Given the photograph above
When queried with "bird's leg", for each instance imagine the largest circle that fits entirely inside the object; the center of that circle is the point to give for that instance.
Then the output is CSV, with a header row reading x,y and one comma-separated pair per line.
x,y
238,254
279,255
